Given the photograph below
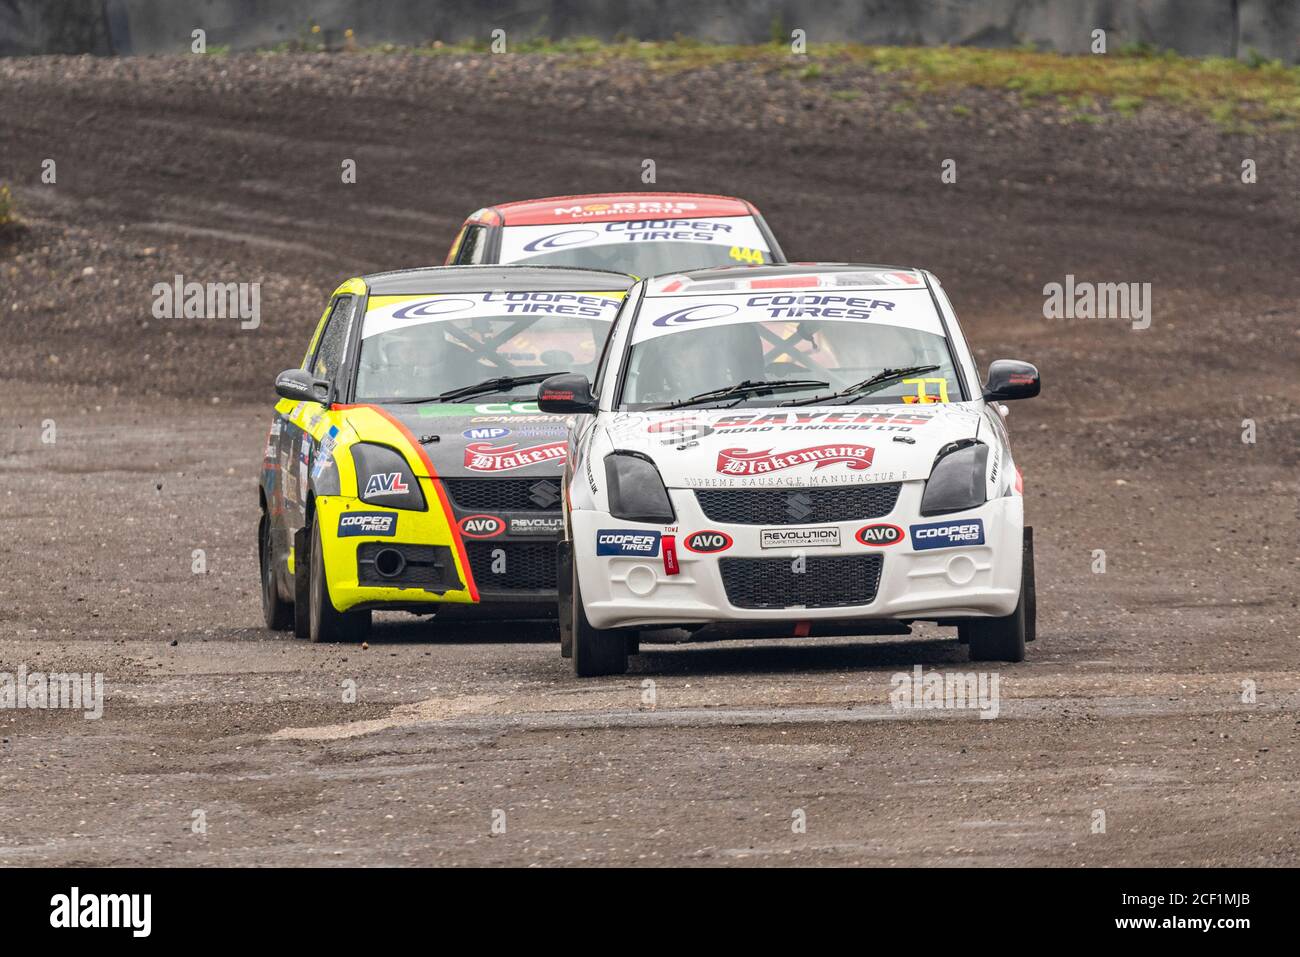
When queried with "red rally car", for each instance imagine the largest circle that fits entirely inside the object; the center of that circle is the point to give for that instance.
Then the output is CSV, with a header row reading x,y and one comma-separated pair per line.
x,y
642,234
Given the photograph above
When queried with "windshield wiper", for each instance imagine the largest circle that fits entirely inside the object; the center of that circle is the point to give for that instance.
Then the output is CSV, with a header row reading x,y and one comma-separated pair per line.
x,y
499,384
742,390
864,388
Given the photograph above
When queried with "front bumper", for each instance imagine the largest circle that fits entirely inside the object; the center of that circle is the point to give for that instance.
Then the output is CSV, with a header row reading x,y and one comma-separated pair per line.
x,y
348,558
962,581
503,575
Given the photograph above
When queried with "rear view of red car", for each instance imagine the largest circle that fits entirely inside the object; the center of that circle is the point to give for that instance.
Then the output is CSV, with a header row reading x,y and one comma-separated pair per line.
x,y
642,234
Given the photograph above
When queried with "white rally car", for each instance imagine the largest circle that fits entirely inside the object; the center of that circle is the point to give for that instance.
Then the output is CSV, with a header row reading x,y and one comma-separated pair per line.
x,y
799,449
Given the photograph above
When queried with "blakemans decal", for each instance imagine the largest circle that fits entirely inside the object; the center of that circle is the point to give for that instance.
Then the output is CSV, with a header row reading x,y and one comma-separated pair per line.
x,y
707,542
968,531
549,525
481,526
807,537
880,535
626,541
745,462
385,483
367,523
485,457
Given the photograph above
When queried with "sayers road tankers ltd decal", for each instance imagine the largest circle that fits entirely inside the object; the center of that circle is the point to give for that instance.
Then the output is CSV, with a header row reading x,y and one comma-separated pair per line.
x,y
745,462
367,523
486,457
967,531
686,428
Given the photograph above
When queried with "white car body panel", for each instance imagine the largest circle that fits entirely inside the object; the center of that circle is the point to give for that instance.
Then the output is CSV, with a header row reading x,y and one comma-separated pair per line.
x,y
768,447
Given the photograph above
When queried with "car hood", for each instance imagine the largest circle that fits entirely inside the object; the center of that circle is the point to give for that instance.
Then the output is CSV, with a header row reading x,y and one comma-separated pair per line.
x,y
793,446
486,439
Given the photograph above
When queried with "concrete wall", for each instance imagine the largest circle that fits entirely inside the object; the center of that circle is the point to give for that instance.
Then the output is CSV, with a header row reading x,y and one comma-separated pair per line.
x,y
1195,27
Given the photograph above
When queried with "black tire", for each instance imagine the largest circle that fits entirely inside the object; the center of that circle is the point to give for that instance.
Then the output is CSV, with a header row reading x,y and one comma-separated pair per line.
x,y
301,584
596,651
327,623
276,612
997,639
1031,601
564,583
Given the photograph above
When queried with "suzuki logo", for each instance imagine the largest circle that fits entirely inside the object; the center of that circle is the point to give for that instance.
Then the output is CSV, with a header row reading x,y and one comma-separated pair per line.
x,y
798,506
544,494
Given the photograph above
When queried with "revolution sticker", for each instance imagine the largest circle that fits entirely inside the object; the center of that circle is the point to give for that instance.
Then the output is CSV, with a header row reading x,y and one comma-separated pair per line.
x,y
808,537
549,525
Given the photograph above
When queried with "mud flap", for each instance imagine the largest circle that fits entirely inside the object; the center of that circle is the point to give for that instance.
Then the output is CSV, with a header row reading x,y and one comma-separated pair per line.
x,y
301,585
564,585
1027,572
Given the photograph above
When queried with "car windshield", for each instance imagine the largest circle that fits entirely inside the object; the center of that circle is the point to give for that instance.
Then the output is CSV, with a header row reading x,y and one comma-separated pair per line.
x,y
417,347
685,345
644,247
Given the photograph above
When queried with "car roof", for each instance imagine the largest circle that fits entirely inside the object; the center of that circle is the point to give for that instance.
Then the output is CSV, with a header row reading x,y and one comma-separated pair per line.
x,y
432,279
613,207
786,276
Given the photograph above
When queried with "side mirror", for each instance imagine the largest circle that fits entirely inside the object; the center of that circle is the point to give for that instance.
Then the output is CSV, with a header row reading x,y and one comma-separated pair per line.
x,y
1012,379
566,394
301,386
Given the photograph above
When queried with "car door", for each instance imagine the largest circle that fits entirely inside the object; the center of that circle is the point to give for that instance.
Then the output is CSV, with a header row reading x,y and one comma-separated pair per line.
x,y
324,362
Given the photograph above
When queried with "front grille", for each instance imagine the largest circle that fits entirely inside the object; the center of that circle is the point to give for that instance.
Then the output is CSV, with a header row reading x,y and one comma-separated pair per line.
x,y
798,506
824,582
512,566
505,495
430,567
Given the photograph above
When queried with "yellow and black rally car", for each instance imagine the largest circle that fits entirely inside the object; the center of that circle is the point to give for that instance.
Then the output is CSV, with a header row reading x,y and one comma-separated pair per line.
x,y
407,466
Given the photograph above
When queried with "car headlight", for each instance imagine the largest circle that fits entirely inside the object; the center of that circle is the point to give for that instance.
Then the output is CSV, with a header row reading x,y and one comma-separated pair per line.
x,y
957,480
384,478
636,492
